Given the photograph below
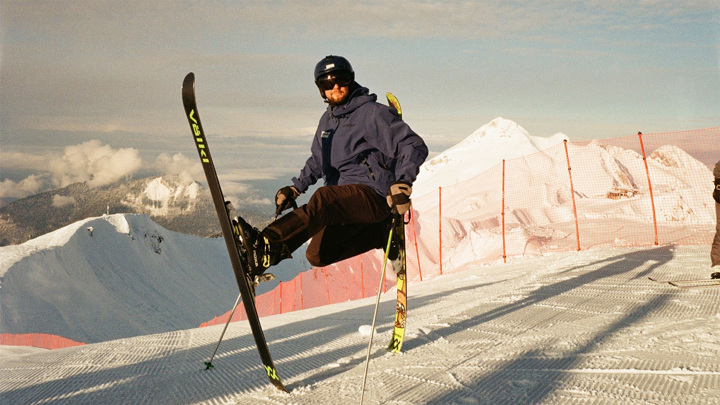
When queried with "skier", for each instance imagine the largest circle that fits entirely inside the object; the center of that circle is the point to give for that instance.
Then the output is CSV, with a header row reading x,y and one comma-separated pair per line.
x,y
715,249
368,158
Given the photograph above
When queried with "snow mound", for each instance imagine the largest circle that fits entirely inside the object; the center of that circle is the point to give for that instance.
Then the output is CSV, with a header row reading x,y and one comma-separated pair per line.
x,y
111,277
118,276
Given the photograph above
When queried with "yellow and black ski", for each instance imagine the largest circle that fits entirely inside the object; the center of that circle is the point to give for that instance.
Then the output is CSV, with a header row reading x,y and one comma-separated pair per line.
x,y
393,102
400,272
238,265
399,266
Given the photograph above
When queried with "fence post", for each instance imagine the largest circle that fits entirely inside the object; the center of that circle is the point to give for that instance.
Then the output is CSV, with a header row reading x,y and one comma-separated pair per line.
x,y
274,301
281,294
417,251
302,304
327,284
572,194
362,277
440,227
652,200
502,211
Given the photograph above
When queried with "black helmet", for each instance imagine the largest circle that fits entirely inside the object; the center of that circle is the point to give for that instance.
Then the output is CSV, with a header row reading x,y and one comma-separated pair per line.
x,y
332,63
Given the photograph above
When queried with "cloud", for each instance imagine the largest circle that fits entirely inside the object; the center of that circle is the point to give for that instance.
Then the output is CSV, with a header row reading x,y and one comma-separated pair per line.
x,y
29,186
178,164
59,201
241,194
94,163
102,20
37,160
458,19
234,187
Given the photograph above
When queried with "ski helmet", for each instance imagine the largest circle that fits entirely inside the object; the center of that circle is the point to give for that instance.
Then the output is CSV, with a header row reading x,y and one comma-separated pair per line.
x,y
332,63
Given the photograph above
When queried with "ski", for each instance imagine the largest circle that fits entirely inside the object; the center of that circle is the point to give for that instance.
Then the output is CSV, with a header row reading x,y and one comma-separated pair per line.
x,y
393,102
229,230
401,273
690,283
399,266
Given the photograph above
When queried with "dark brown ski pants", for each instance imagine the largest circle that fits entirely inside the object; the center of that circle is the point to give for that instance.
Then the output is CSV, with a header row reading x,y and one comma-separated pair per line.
x,y
343,221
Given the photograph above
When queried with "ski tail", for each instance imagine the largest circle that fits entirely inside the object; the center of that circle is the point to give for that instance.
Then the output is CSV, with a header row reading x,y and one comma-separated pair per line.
x,y
191,112
393,102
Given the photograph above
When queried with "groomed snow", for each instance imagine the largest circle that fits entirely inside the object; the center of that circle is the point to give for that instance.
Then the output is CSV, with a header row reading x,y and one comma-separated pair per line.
x,y
566,328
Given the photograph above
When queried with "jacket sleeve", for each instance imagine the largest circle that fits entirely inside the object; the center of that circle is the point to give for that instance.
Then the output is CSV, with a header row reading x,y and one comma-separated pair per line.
x,y
396,140
312,171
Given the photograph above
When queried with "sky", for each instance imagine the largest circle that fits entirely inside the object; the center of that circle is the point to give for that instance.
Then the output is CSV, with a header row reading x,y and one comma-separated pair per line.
x,y
90,90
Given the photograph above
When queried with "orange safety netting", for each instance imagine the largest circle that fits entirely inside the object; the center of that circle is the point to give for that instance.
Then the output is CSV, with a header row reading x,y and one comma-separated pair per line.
x,y
42,340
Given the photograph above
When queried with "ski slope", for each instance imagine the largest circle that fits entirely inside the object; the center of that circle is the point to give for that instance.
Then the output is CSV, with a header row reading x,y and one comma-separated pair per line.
x,y
566,328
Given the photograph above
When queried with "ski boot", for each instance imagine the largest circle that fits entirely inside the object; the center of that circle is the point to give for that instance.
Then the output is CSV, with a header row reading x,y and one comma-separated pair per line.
x,y
253,278
259,252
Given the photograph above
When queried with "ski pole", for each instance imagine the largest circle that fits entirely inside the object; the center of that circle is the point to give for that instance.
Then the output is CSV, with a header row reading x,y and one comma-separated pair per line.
x,y
208,364
377,304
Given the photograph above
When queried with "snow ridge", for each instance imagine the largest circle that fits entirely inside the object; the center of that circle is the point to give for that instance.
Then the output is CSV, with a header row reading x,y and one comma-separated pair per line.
x,y
486,147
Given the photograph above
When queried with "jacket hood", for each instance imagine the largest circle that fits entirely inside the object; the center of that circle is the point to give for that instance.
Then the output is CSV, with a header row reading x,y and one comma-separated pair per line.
x,y
359,96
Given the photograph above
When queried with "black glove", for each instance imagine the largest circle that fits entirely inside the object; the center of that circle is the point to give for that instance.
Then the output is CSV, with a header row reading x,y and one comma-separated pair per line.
x,y
716,192
285,198
398,197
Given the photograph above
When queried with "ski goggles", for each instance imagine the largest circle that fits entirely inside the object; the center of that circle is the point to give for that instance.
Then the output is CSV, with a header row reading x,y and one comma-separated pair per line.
x,y
342,79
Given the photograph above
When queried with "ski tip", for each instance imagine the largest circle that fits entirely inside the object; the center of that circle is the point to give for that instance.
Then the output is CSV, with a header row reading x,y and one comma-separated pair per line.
x,y
189,82
395,346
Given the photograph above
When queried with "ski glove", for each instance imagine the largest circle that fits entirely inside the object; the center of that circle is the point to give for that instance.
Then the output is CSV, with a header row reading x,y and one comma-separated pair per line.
x,y
285,198
716,192
398,197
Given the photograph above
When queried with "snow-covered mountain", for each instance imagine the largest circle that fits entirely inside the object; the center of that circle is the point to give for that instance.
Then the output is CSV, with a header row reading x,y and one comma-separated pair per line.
x,y
117,276
486,147
174,202
162,197
610,186
169,200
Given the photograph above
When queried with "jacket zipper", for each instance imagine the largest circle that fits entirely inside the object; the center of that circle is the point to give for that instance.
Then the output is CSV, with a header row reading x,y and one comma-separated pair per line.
x,y
372,175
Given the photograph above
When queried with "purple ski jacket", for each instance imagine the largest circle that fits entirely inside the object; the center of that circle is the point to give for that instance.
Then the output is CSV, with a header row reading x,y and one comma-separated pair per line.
x,y
362,142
